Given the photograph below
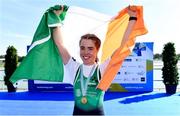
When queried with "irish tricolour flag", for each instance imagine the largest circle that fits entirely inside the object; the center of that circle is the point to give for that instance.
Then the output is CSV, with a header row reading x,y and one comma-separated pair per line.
x,y
43,61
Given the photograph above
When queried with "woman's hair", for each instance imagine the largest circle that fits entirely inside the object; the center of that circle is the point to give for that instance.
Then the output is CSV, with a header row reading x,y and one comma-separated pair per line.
x,y
93,37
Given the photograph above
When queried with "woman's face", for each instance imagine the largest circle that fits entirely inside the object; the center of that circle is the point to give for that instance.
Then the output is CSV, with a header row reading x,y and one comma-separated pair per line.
x,y
88,51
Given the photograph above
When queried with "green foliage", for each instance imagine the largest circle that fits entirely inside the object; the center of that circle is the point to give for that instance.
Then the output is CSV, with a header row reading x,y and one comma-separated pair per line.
x,y
170,60
11,61
20,58
178,55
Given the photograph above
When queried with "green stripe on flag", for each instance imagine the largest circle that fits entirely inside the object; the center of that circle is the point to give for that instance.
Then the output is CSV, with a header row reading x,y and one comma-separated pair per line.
x,y
43,62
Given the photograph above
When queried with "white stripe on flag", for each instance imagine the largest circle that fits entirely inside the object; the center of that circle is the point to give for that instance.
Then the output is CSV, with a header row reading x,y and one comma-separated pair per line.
x,y
39,42
55,25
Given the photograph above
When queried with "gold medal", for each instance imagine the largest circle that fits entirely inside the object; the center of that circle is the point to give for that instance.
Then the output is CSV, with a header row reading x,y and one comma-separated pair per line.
x,y
84,100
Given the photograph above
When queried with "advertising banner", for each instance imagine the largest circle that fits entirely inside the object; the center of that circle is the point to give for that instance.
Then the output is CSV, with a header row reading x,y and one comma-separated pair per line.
x,y
136,73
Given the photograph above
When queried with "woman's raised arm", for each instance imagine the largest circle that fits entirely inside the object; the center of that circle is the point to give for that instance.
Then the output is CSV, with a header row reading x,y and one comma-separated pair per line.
x,y
132,20
58,39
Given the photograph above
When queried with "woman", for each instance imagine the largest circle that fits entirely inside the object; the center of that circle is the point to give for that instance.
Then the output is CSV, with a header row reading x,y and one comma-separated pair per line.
x,y
86,76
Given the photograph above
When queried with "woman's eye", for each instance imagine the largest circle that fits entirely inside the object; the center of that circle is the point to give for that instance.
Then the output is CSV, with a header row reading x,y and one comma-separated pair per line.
x,y
82,48
90,48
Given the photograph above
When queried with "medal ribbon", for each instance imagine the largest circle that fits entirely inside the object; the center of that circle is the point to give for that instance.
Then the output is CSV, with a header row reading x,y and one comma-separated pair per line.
x,y
84,86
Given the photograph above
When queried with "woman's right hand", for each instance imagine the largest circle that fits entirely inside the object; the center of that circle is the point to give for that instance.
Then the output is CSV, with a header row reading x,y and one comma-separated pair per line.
x,y
58,12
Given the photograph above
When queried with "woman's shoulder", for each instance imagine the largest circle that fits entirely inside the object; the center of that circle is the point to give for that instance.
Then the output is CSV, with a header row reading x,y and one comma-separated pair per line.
x,y
72,64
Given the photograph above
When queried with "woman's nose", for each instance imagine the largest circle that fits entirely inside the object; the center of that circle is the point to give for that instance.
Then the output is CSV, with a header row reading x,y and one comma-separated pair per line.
x,y
86,51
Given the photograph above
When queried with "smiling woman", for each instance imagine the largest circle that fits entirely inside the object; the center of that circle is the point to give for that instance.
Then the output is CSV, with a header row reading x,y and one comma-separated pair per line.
x,y
89,99
89,47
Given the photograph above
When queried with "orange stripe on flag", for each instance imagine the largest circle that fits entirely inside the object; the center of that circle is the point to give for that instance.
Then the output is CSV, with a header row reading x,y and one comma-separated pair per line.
x,y
113,40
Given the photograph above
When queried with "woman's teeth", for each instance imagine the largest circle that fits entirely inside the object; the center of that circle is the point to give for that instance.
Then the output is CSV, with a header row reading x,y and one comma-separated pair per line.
x,y
85,57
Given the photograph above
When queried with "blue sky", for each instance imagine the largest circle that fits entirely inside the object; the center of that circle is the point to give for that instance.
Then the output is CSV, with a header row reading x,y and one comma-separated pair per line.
x,y
20,18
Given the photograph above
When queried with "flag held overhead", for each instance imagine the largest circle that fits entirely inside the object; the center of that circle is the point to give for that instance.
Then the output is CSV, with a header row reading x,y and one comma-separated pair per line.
x,y
43,61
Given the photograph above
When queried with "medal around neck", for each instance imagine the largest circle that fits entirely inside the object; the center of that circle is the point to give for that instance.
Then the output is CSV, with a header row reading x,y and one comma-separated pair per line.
x,y
84,100
84,88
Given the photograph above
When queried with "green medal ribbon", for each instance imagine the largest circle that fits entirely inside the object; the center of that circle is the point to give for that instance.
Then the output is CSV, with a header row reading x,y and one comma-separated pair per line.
x,y
85,84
